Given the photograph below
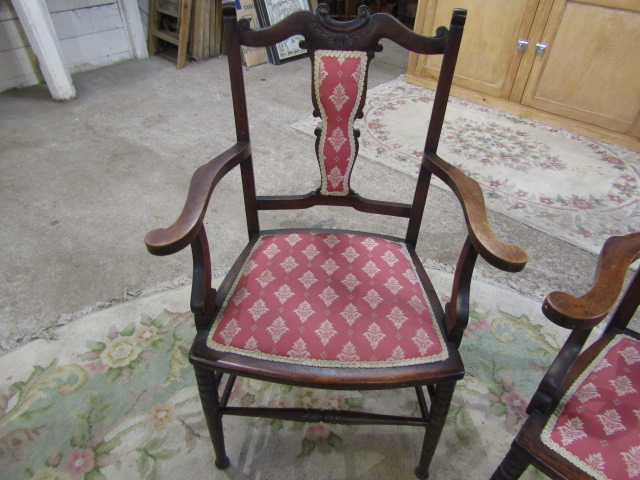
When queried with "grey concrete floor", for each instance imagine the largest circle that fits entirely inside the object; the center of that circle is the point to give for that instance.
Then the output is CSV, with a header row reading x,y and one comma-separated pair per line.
x,y
82,182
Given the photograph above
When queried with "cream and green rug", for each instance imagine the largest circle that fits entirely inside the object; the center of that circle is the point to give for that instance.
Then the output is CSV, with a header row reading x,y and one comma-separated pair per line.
x,y
572,187
114,397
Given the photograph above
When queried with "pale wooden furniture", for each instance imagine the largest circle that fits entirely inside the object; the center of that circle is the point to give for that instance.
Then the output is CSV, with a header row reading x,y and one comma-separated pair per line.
x,y
332,309
583,419
169,20
206,29
579,70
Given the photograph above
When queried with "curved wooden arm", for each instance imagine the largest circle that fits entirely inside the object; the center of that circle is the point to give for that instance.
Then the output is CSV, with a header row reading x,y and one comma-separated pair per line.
x,y
585,312
165,241
510,258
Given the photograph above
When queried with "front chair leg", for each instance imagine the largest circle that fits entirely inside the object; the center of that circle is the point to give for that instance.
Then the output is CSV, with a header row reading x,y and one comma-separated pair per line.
x,y
513,465
437,416
208,388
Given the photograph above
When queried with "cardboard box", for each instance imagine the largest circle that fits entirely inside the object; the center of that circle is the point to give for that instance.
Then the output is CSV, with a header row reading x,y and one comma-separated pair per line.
x,y
252,56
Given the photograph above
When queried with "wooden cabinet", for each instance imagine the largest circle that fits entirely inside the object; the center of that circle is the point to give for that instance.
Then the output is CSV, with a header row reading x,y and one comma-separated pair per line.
x,y
591,69
586,68
487,63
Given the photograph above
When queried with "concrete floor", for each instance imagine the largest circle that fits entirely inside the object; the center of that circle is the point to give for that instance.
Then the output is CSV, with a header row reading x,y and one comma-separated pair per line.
x,y
82,182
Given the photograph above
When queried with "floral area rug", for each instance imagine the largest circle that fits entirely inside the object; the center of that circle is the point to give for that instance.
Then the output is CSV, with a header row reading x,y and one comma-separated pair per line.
x,y
114,397
572,187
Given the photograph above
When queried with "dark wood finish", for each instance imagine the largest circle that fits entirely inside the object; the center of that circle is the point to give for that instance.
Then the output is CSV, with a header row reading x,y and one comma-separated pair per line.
x,y
165,241
363,33
344,417
580,315
510,258
588,310
354,201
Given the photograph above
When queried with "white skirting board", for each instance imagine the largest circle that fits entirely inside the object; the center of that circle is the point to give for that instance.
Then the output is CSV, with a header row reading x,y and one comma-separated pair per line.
x,y
90,34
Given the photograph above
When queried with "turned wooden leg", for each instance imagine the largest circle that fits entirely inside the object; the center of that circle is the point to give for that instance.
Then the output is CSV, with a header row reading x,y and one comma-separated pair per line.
x,y
437,416
208,388
513,465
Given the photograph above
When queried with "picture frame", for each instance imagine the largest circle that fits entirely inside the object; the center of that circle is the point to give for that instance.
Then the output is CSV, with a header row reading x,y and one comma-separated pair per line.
x,y
271,12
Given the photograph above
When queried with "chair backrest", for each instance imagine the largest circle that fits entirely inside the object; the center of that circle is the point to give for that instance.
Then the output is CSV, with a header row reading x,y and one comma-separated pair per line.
x,y
340,53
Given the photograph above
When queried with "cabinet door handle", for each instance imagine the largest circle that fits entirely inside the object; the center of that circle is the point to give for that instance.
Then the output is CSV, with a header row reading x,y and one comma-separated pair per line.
x,y
541,48
522,45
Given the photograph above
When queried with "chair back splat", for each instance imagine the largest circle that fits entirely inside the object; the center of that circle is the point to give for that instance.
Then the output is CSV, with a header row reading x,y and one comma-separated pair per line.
x,y
332,309
340,54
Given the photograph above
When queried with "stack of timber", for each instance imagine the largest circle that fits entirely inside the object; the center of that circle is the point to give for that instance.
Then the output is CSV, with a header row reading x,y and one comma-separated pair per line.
x,y
194,26
206,33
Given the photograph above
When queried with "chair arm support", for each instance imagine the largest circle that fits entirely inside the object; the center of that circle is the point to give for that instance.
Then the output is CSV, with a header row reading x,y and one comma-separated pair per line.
x,y
165,241
585,312
510,258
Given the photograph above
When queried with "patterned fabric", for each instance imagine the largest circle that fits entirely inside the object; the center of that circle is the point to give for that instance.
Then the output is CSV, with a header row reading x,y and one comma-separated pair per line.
x,y
597,424
339,84
329,300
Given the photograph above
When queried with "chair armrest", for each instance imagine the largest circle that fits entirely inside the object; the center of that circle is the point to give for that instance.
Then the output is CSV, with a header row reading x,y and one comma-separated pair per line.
x,y
585,312
510,258
165,241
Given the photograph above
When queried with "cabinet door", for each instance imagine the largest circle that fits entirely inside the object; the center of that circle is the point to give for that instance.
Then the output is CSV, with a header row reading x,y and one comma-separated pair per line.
x,y
590,70
489,58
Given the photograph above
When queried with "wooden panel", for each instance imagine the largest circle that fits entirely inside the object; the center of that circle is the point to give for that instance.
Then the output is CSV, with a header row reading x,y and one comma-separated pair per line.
x,y
591,69
7,12
12,35
19,68
419,26
134,28
68,24
95,50
37,25
65,5
90,32
632,5
597,133
488,58
85,21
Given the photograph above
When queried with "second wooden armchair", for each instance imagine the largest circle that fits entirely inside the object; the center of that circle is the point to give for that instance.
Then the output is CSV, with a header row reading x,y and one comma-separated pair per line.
x,y
332,309
584,419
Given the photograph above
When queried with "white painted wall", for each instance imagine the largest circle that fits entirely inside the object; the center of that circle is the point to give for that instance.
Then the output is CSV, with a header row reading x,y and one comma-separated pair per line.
x,y
143,5
91,33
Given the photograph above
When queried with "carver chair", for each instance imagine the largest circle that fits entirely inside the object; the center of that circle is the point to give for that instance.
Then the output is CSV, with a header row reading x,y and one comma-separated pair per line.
x,y
332,309
584,419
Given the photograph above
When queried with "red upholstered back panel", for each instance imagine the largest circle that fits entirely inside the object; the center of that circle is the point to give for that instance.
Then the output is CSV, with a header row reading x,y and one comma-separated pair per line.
x,y
339,78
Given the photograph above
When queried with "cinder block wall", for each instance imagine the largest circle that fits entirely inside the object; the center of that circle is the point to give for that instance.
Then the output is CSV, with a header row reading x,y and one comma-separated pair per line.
x,y
91,34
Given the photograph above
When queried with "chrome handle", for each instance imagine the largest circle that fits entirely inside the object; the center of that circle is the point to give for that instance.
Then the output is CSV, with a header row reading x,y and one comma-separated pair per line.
x,y
541,48
522,45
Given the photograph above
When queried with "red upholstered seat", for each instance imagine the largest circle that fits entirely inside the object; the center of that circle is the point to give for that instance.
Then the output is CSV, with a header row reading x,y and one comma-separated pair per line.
x,y
317,299
597,424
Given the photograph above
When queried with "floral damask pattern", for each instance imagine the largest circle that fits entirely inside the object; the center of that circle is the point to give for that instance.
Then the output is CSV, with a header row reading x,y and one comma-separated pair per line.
x,y
339,87
329,300
595,425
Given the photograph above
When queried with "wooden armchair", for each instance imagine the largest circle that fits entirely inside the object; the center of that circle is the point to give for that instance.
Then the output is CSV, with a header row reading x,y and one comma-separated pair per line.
x,y
584,419
332,309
